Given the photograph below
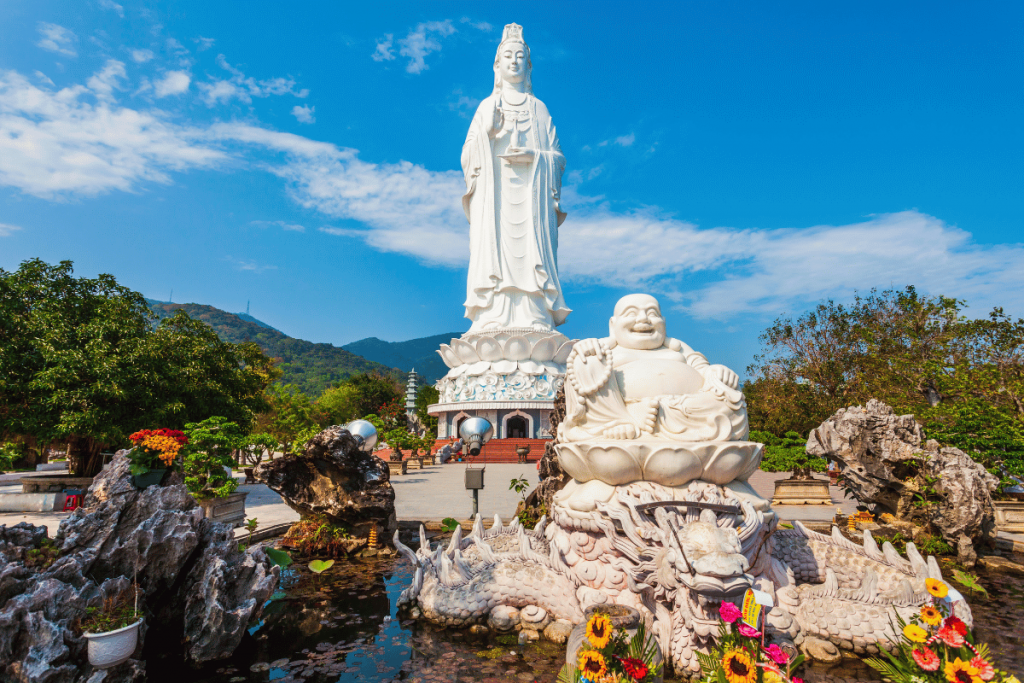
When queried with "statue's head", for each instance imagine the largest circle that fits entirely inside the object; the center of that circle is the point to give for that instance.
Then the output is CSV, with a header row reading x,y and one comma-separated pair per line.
x,y
637,323
512,61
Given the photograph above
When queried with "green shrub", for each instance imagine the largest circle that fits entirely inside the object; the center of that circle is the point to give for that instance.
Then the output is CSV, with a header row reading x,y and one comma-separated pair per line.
x,y
787,454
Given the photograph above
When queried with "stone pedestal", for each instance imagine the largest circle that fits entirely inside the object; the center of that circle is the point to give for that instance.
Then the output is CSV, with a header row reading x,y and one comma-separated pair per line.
x,y
227,510
802,492
414,464
397,468
1009,515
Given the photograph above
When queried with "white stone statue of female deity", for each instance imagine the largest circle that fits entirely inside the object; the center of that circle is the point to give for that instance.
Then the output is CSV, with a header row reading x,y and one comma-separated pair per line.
x,y
513,167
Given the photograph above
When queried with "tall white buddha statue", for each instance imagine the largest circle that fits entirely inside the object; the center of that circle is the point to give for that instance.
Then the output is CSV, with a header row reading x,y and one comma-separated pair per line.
x,y
641,406
513,167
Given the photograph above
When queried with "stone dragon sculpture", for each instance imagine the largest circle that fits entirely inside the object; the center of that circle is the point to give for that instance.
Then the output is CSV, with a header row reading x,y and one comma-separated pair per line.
x,y
674,555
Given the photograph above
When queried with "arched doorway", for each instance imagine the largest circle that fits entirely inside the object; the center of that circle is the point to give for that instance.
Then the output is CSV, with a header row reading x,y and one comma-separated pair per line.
x,y
458,426
516,428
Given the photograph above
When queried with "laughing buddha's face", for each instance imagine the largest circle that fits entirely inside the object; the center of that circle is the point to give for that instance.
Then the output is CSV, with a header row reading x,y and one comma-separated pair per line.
x,y
637,323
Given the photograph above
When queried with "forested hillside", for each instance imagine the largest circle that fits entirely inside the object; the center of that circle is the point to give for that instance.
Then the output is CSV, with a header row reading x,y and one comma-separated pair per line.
x,y
310,367
420,354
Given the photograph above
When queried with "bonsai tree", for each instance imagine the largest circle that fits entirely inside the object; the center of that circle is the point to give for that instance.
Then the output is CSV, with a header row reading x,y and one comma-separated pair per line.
x,y
787,454
210,445
255,445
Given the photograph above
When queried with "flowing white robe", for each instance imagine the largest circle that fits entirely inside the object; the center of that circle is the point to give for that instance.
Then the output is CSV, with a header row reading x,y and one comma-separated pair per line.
x,y
513,278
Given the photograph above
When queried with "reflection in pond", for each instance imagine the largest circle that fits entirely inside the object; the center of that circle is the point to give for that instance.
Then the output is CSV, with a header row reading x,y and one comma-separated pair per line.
x,y
342,626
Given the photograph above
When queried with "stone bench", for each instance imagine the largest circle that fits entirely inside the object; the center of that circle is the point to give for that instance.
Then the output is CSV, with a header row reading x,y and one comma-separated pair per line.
x,y
53,483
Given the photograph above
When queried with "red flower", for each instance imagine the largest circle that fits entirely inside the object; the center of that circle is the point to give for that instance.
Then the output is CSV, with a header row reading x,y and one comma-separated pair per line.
x,y
776,654
956,624
926,659
748,632
634,668
951,636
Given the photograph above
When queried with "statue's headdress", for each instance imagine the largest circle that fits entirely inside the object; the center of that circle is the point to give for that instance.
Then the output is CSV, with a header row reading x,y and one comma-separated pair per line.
x,y
513,33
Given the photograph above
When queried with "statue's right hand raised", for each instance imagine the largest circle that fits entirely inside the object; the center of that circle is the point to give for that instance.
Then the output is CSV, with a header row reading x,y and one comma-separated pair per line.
x,y
497,121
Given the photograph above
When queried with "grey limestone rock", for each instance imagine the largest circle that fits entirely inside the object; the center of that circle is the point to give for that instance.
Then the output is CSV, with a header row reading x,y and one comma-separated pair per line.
x,y
335,479
196,583
888,464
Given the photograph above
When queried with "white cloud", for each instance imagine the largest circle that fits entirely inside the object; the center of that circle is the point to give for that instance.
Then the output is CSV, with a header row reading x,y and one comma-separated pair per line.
x,y
58,143
57,39
463,104
173,83
105,81
292,227
204,43
43,77
111,5
304,114
6,229
176,48
244,88
384,51
142,56
421,41
625,140
248,265
481,25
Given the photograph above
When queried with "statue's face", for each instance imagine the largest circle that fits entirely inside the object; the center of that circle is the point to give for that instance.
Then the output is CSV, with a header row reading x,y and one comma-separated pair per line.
x,y
637,323
512,62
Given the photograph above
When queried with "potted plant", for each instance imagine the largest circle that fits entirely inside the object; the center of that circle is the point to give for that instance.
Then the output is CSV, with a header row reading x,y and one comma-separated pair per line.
x,y
153,453
206,466
112,630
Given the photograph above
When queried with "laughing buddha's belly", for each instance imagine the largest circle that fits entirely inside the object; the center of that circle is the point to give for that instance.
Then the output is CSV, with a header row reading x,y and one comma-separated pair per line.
x,y
657,377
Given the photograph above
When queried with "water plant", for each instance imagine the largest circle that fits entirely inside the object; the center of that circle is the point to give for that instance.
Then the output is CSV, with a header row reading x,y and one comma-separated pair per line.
x,y
320,566
449,524
279,557
317,535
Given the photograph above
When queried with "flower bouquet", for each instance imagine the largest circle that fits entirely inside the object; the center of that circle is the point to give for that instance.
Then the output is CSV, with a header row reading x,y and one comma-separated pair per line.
x,y
611,655
740,655
937,646
154,449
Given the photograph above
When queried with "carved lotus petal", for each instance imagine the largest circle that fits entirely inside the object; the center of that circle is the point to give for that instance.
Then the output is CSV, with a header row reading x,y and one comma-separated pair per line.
x,y
504,367
488,349
552,368
458,371
478,368
502,337
450,358
544,349
465,350
531,367
562,355
517,348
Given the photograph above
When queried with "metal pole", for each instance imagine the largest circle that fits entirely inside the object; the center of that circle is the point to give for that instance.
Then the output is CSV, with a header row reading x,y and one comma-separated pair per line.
x,y
476,503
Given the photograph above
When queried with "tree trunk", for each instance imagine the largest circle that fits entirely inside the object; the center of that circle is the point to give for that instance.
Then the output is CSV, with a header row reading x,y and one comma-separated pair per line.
x,y
84,458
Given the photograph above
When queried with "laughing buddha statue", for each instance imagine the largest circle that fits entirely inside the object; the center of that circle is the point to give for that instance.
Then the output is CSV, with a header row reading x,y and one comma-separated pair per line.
x,y
644,407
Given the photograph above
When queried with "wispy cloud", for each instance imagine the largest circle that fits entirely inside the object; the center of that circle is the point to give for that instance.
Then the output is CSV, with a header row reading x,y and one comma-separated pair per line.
x,y
248,265
293,227
244,88
56,38
204,43
113,6
304,114
625,140
7,229
423,40
462,103
142,56
173,83
106,80
58,143
480,25
384,52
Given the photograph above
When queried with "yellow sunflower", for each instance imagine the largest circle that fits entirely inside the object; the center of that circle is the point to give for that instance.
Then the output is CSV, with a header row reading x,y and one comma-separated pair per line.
x,y
592,665
915,633
936,587
930,615
959,671
599,630
738,668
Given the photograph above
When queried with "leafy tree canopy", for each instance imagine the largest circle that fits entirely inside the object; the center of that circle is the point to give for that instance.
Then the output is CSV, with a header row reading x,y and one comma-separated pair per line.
x,y
426,396
81,363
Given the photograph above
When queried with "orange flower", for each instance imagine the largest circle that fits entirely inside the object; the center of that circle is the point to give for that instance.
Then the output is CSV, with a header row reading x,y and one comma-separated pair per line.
x,y
926,659
959,671
936,588
931,615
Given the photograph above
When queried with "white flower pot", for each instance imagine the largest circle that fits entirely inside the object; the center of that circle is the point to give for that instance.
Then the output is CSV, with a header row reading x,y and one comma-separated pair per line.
x,y
113,647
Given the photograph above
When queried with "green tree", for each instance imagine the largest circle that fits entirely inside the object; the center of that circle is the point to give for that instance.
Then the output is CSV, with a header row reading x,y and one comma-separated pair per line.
x,y
426,396
340,405
80,363
291,414
209,450
373,391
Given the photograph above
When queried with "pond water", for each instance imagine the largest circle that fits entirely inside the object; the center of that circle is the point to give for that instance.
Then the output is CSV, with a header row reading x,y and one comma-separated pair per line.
x,y
343,626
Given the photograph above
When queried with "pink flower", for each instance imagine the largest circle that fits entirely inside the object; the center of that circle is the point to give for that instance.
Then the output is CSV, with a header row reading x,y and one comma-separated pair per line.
x,y
729,612
950,636
986,671
776,654
797,679
926,659
749,632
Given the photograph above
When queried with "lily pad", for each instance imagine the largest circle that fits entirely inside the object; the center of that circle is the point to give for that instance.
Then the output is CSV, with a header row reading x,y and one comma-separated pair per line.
x,y
279,557
320,566
449,524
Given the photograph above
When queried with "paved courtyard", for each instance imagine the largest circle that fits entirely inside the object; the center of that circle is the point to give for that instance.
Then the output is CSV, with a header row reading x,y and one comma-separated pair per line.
x,y
436,492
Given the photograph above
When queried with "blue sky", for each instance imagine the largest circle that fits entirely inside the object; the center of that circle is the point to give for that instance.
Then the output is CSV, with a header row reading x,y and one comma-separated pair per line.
x,y
741,161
